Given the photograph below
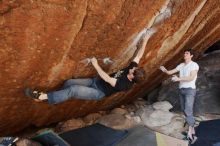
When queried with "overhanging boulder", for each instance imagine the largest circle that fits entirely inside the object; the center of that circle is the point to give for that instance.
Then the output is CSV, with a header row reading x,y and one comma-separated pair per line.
x,y
43,43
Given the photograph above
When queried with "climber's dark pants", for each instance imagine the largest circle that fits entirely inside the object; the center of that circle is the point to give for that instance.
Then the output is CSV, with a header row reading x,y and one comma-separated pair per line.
x,y
76,89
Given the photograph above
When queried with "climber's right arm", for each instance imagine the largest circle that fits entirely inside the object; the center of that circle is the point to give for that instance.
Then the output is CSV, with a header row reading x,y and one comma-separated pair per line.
x,y
141,49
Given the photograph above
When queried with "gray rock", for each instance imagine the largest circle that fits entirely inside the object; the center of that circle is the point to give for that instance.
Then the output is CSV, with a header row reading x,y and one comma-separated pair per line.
x,y
163,105
147,111
175,125
137,119
157,118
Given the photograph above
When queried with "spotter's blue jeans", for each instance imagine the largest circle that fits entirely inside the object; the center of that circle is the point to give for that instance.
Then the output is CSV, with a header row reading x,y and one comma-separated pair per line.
x,y
187,98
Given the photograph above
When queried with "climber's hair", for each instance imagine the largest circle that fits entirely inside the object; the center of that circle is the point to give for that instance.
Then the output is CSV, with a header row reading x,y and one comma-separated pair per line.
x,y
190,50
139,75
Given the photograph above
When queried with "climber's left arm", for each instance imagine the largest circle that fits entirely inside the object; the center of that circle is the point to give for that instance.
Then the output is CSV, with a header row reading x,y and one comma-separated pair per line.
x,y
103,74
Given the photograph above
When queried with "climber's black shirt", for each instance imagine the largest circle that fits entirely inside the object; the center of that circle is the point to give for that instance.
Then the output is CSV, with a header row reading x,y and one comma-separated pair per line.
x,y
122,83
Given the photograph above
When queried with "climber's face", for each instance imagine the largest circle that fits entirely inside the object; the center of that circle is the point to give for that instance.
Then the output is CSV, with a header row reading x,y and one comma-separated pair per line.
x,y
131,71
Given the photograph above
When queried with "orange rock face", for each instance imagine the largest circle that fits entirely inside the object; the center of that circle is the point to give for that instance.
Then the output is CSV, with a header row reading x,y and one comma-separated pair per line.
x,y
44,42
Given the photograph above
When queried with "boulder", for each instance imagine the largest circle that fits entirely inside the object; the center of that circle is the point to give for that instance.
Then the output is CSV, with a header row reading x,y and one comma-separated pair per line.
x,y
174,127
91,118
164,106
157,118
119,111
69,125
53,39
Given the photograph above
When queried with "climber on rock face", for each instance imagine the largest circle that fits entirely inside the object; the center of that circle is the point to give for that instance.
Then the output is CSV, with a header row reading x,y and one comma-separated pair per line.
x,y
97,88
187,88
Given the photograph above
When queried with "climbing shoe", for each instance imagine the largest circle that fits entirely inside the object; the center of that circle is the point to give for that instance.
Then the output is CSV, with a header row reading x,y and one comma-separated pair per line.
x,y
9,141
33,94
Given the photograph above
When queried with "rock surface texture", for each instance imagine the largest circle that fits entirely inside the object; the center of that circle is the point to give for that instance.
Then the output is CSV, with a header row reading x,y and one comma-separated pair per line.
x,y
44,42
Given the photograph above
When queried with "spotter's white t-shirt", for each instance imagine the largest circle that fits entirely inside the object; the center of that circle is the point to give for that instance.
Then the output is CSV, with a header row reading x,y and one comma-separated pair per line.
x,y
184,71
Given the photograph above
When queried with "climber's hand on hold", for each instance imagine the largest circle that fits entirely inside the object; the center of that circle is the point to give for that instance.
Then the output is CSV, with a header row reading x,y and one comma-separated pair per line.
x,y
94,61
